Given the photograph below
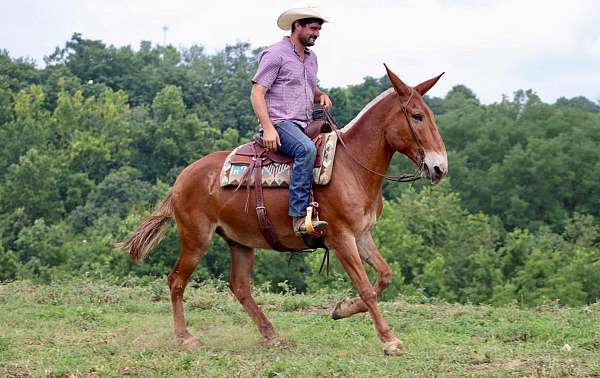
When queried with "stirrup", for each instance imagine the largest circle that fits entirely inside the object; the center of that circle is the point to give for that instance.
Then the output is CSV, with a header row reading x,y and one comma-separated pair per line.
x,y
311,211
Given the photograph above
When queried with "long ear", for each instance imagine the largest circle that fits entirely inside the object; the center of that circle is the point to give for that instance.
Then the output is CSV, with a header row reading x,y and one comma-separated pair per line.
x,y
426,85
399,86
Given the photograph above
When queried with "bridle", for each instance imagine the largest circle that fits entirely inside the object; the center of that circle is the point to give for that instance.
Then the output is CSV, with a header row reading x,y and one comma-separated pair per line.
x,y
420,158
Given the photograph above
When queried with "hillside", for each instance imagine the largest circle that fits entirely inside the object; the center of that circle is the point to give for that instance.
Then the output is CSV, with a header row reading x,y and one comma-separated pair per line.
x,y
89,329
93,141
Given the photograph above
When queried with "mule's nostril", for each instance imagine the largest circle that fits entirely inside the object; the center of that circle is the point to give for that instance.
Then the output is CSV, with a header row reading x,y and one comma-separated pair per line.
x,y
426,170
438,170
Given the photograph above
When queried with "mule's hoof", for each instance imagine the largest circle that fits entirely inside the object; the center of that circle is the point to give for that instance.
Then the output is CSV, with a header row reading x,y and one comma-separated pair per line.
x,y
340,310
276,343
189,342
393,348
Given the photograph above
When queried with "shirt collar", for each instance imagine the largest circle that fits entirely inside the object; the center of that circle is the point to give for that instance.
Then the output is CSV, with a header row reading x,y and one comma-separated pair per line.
x,y
306,50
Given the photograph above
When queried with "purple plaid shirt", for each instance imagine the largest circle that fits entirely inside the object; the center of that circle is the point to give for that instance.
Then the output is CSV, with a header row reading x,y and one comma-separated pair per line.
x,y
290,83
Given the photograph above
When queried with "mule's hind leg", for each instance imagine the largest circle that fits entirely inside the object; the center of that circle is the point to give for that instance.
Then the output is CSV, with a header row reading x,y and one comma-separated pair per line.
x,y
242,261
370,254
195,240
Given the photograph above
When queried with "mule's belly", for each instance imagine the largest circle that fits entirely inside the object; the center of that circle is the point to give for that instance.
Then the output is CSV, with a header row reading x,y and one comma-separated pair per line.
x,y
243,228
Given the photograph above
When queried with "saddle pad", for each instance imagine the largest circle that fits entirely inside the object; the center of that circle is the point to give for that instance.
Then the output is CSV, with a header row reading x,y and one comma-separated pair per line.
x,y
277,174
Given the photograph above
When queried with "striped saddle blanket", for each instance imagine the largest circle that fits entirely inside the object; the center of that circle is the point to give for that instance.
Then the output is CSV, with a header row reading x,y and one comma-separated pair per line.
x,y
276,170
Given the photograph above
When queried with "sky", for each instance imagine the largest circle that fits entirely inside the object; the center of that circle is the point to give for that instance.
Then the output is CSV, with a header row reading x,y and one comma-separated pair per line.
x,y
492,47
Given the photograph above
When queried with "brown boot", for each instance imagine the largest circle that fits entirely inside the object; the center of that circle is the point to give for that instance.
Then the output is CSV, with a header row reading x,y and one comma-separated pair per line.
x,y
300,226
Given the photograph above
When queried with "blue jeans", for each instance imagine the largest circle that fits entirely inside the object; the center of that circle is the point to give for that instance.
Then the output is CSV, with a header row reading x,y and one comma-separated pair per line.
x,y
297,145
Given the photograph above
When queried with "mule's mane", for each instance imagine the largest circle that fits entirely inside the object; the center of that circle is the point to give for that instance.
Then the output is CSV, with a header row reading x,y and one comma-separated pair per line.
x,y
364,110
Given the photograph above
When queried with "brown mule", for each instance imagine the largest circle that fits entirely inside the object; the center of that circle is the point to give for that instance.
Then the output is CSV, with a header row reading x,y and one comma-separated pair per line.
x,y
398,120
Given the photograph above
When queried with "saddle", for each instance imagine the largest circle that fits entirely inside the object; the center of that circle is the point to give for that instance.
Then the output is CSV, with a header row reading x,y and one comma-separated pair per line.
x,y
245,153
246,164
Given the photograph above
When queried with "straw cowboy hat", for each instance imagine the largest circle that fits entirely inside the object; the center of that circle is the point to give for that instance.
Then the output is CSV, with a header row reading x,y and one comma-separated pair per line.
x,y
287,18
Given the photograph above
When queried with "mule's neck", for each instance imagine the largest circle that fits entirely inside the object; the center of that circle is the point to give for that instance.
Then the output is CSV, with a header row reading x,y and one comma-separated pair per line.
x,y
366,142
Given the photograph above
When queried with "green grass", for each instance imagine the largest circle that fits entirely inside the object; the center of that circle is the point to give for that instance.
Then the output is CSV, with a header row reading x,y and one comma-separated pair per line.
x,y
85,328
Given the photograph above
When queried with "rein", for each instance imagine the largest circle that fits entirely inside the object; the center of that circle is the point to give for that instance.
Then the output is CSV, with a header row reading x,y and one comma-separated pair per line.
x,y
409,177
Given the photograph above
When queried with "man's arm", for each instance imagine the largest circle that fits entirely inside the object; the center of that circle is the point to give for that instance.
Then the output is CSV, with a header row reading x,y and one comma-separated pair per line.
x,y
257,98
323,99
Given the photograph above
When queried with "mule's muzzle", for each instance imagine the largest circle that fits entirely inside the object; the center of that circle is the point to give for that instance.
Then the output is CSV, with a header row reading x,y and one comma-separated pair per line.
x,y
435,168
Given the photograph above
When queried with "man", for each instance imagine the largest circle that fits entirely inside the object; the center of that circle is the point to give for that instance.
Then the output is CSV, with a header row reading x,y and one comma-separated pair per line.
x,y
283,96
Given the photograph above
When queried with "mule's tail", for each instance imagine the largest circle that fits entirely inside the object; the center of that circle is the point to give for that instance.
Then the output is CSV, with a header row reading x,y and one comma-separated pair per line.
x,y
150,232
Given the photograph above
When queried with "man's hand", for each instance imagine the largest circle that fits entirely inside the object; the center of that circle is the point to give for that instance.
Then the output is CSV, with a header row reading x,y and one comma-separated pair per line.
x,y
271,138
325,102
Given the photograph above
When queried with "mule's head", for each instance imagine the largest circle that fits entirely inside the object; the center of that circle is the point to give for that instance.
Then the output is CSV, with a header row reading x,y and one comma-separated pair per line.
x,y
412,127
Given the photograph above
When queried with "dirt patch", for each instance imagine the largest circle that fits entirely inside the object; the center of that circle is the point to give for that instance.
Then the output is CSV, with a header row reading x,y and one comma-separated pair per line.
x,y
15,370
317,310
512,364
125,370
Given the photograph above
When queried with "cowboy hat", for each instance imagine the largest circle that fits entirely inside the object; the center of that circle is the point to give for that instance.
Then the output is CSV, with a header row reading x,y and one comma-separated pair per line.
x,y
287,18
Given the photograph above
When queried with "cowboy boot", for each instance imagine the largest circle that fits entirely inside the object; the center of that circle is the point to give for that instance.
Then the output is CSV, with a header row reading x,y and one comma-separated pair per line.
x,y
300,226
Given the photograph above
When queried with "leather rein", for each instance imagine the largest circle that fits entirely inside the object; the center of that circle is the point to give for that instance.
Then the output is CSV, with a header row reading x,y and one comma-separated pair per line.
x,y
420,158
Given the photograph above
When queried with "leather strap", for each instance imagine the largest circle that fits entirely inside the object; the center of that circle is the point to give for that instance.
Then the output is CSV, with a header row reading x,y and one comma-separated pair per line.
x,y
266,228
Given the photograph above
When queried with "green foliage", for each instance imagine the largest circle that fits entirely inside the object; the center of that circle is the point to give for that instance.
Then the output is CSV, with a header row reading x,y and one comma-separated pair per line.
x,y
119,192
33,184
350,100
10,265
93,141
43,242
6,111
530,163
19,73
438,246
10,226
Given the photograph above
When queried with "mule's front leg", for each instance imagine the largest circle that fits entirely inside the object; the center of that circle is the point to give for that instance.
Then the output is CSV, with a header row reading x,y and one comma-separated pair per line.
x,y
370,254
347,253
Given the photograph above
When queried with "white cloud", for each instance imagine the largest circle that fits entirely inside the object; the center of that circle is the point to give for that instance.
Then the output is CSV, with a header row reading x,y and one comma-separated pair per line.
x,y
494,47
593,48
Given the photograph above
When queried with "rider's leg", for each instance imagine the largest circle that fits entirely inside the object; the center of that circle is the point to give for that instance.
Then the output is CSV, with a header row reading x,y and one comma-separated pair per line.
x,y
296,144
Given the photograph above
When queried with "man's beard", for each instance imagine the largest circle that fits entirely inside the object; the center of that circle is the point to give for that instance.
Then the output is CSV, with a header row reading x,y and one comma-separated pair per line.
x,y
307,41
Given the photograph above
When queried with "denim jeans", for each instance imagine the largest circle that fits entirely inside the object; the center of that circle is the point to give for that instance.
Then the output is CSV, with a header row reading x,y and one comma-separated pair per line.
x,y
297,145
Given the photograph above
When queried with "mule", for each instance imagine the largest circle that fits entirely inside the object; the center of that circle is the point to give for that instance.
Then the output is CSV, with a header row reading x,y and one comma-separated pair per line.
x,y
398,120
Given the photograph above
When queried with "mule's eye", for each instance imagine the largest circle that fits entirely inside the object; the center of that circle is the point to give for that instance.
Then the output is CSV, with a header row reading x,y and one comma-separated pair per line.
x,y
417,117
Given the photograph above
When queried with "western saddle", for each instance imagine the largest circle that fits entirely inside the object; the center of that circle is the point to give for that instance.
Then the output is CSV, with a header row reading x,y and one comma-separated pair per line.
x,y
256,156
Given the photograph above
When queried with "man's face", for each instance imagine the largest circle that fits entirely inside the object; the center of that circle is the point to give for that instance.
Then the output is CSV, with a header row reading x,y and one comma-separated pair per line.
x,y
309,33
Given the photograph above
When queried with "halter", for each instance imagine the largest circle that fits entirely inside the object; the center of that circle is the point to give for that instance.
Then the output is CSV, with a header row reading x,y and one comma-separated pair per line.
x,y
420,158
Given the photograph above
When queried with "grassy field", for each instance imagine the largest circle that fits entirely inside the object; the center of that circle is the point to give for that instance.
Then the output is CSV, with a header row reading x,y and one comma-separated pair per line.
x,y
92,329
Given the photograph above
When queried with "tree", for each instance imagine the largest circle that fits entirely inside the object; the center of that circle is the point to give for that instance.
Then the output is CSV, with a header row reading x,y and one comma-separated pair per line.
x,y
439,247
9,265
6,113
42,242
580,103
33,184
20,73
119,192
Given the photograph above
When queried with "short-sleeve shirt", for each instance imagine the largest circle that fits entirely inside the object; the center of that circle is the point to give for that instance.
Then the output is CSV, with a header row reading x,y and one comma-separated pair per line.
x,y
290,82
